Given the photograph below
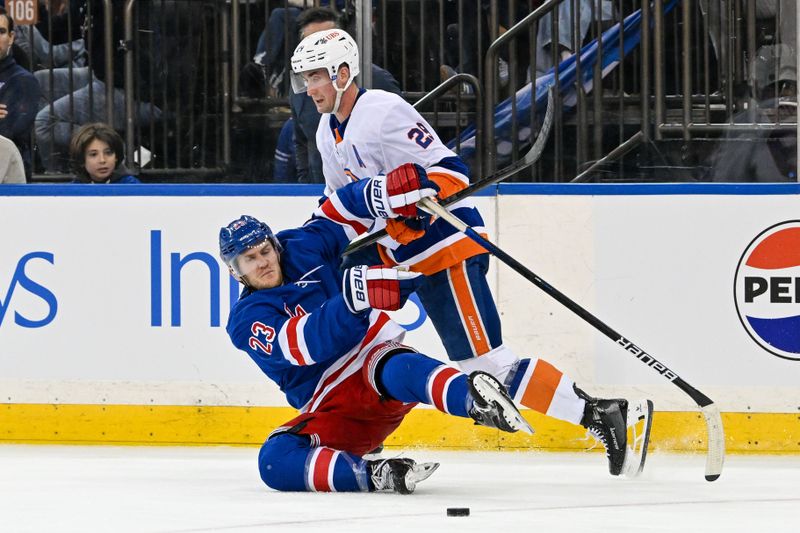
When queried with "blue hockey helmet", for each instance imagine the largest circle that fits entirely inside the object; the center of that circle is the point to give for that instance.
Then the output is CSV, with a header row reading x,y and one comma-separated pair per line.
x,y
242,234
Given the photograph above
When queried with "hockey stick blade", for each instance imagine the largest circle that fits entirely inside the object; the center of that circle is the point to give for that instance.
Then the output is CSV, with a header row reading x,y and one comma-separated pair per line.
x,y
530,157
715,456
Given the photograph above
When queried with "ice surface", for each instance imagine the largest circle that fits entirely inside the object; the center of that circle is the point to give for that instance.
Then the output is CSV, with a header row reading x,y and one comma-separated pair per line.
x,y
171,489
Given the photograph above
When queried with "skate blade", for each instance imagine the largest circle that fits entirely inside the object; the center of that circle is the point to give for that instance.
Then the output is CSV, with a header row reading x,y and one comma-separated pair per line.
x,y
423,471
419,472
639,420
517,421
510,412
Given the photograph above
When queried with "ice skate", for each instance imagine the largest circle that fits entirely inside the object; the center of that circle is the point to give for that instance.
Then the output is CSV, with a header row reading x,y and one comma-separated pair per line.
x,y
608,422
400,475
492,406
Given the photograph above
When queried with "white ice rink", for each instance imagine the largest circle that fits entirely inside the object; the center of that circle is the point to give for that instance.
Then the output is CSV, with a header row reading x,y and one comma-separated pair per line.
x,y
153,489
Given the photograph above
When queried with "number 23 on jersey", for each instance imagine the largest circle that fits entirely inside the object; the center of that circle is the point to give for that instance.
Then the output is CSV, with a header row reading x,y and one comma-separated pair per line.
x,y
261,332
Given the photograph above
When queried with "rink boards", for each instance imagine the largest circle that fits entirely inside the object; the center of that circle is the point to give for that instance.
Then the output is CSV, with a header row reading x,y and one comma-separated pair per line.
x,y
113,305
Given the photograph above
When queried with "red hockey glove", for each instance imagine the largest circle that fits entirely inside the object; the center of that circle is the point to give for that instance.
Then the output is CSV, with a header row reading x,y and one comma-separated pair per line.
x,y
397,193
378,287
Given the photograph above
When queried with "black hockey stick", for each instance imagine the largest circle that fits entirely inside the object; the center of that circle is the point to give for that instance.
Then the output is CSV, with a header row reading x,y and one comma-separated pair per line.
x,y
716,437
530,157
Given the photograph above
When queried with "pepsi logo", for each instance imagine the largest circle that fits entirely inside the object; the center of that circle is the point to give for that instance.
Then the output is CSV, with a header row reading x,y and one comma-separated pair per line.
x,y
767,289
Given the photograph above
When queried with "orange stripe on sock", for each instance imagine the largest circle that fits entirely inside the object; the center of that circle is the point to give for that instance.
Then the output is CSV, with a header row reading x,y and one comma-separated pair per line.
x,y
468,309
541,388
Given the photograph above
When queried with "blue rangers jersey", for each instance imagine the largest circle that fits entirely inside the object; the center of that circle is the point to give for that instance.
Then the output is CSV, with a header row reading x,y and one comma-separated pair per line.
x,y
301,334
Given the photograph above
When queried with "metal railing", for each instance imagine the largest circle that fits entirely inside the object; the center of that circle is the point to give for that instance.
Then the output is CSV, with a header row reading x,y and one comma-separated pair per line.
x,y
165,85
491,81
442,90
251,28
699,72
192,136
734,98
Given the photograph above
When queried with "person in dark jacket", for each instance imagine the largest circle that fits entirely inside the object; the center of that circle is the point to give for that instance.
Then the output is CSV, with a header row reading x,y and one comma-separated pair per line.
x,y
97,154
285,168
19,95
61,110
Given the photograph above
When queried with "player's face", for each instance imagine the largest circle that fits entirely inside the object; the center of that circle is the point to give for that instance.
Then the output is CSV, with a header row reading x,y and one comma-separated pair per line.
x,y
261,267
100,160
6,37
320,89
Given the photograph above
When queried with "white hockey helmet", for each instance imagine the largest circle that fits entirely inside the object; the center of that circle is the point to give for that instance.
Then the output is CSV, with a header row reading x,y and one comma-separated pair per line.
x,y
328,49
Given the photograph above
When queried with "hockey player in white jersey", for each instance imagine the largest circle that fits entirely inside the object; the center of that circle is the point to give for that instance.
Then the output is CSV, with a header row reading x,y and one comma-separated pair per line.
x,y
370,133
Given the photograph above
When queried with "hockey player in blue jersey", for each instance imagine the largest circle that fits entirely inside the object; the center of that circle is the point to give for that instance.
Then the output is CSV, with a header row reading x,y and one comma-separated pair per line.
x,y
338,358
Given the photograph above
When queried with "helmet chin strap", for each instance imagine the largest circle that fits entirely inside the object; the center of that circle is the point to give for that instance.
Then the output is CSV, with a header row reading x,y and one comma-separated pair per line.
x,y
237,277
339,93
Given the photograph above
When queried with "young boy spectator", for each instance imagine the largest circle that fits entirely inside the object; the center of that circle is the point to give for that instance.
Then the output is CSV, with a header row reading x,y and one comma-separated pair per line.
x,y
96,154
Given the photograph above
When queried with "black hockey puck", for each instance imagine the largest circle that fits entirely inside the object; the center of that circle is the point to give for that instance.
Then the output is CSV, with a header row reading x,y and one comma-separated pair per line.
x,y
458,511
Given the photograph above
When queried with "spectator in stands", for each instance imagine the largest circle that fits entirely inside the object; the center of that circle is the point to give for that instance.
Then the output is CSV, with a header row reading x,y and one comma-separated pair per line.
x,y
784,80
97,154
285,169
304,112
781,54
566,38
465,32
62,111
760,154
11,168
271,51
34,41
466,59
19,94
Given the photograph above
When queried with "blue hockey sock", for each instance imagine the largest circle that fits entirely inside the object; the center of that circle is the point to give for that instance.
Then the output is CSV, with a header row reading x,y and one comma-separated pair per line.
x,y
288,463
415,377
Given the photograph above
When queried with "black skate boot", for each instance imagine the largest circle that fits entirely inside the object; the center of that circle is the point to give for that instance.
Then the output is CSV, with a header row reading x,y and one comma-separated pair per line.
x,y
608,422
492,406
400,474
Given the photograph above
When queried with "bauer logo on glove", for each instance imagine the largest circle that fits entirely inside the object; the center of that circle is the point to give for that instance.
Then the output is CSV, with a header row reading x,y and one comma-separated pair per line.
x,y
397,193
378,287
